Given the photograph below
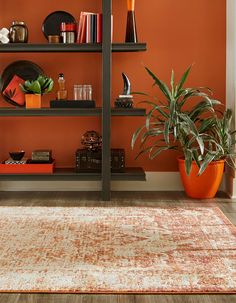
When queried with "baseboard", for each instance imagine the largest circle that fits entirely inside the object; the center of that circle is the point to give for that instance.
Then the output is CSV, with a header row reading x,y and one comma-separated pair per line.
x,y
230,186
156,181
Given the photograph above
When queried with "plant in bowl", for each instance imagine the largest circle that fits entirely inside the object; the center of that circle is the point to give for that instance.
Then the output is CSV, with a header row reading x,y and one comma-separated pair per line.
x,y
200,131
34,89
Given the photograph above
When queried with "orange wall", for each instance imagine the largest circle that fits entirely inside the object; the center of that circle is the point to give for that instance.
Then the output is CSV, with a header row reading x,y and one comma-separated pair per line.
x,y
178,33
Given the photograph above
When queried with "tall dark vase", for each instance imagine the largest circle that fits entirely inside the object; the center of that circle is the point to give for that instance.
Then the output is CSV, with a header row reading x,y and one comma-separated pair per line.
x,y
131,30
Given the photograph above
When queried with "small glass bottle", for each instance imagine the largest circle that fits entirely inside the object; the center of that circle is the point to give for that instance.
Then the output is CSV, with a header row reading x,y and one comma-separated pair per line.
x,y
87,92
78,92
62,92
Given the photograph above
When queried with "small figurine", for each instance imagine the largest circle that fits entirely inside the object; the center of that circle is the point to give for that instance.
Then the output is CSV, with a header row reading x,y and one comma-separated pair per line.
x,y
127,85
126,99
4,35
91,141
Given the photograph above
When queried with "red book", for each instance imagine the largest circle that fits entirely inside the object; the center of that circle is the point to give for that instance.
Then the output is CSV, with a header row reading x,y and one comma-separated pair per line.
x,y
99,28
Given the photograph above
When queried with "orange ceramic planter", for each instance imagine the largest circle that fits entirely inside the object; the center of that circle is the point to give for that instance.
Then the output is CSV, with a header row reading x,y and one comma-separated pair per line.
x,y
32,101
204,186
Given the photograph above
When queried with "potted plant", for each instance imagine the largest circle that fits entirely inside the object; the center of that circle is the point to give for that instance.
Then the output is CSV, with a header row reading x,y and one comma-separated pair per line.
x,y
201,132
34,89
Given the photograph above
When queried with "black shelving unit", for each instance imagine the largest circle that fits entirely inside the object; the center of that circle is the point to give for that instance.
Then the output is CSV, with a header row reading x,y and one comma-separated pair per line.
x,y
105,112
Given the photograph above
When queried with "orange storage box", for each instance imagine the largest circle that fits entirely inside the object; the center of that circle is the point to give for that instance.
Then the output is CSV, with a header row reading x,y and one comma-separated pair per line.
x,y
28,168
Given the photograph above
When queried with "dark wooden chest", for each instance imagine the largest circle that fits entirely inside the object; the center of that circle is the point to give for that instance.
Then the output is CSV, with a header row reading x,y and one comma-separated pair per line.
x,y
91,161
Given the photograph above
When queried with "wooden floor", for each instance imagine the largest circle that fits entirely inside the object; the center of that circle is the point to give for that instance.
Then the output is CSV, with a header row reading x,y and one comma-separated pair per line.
x,y
147,199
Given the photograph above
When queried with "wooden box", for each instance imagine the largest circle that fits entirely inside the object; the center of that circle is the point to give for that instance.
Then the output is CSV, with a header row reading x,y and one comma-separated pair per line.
x,y
28,168
91,161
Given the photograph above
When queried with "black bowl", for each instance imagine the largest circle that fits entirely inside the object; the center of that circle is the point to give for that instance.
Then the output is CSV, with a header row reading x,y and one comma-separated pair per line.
x,y
17,156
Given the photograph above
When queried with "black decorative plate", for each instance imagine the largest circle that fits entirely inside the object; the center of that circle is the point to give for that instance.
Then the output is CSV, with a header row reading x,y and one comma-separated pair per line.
x,y
26,70
51,25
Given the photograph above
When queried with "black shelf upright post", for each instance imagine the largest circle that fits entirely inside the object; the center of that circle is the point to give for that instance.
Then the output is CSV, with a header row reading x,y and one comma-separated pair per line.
x,y
106,97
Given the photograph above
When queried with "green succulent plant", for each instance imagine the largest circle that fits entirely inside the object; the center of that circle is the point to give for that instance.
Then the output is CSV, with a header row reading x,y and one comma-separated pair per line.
x,y
201,132
42,85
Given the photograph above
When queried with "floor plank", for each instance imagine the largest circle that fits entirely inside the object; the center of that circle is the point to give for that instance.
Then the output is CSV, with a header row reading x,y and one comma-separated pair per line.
x,y
231,217
9,298
100,299
49,298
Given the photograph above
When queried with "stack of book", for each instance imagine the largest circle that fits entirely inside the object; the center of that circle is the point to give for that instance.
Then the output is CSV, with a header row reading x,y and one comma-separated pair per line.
x,y
11,161
41,156
90,28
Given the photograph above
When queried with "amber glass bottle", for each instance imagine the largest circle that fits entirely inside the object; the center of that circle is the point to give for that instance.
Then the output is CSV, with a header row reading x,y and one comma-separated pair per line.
x,y
62,92
131,31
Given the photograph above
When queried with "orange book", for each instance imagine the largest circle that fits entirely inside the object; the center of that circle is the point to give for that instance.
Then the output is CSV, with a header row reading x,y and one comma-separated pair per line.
x,y
80,27
83,29
88,28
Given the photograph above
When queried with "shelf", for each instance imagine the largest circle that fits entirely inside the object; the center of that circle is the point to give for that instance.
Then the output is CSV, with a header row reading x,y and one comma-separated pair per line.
x,y
44,112
63,112
129,47
69,174
60,174
69,48
128,112
130,174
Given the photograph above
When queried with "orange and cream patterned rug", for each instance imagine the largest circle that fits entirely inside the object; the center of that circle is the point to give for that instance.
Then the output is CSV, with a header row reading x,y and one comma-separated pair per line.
x,y
116,250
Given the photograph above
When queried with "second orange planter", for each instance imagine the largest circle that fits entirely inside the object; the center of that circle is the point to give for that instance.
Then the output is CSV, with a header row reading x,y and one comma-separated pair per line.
x,y
204,186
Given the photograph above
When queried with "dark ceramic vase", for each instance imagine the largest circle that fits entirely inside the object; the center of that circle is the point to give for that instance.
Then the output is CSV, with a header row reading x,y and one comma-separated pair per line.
x,y
18,32
131,30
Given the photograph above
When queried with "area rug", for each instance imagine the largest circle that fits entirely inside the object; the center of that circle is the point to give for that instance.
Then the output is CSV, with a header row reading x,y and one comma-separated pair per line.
x,y
116,250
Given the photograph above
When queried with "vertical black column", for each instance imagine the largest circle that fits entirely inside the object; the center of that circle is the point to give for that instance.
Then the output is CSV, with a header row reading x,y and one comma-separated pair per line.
x,y
106,95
